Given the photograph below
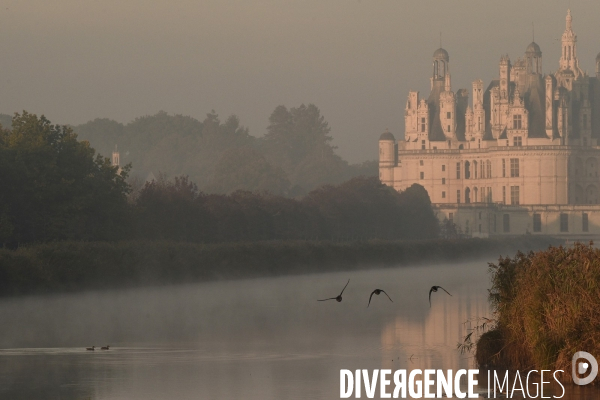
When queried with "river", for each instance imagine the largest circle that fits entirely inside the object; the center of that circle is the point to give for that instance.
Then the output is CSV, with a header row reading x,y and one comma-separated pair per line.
x,y
250,339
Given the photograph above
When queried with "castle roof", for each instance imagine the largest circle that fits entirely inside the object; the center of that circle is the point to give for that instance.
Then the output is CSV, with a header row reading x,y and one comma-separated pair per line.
x,y
441,53
533,48
387,135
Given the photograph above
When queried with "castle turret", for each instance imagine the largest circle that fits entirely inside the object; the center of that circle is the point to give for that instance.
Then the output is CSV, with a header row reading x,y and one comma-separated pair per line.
x,y
410,116
478,110
116,162
387,157
533,59
441,67
448,110
568,59
550,123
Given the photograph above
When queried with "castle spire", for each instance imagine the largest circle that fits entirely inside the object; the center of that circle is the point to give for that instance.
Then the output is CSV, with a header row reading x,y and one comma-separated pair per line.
x,y
568,59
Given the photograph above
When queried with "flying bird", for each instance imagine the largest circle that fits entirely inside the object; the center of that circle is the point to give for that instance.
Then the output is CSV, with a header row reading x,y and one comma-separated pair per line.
x,y
435,289
338,298
90,348
377,292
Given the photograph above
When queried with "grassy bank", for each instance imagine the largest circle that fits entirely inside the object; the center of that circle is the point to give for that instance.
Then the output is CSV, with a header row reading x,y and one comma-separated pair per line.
x,y
546,309
74,266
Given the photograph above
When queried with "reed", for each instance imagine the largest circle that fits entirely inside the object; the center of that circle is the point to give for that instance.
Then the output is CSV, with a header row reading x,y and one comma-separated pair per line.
x,y
75,266
546,308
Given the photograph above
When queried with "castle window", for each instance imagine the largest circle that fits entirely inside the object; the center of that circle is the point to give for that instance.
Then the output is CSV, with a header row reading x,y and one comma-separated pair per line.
x,y
443,181
537,222
443,195
443,167
517,141
448,115
488,165
422,146
489,194
517,121
506,223
503,194
451,217
467,170
422,175
584,222
458,196
514,167
503,168
457,170
423,125
479,124
421,163
449,130
564,222
514,195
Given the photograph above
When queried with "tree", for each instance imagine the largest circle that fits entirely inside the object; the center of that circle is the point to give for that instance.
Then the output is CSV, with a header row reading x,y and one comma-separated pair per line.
x,y
56,187
245,168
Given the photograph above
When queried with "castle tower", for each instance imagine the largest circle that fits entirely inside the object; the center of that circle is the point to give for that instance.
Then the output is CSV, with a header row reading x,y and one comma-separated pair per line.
x,y
478,110
441,67
387,158
504,77
411,120
550,106
448,109
568,59
116,162
533,59
423,116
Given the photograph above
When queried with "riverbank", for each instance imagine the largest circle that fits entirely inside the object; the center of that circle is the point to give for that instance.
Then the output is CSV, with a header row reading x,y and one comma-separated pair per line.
x,y
545,310
76,266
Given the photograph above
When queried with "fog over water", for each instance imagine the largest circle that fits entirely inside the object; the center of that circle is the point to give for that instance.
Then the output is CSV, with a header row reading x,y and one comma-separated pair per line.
x,y
252,339
75,61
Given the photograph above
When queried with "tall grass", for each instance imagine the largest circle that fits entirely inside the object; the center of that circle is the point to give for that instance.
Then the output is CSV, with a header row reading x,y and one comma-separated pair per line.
x,y
547,307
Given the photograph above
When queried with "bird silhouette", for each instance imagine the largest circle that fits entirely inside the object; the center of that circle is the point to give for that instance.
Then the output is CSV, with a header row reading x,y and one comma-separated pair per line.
x,y
104,348
435,289
377,292
339,297
91,348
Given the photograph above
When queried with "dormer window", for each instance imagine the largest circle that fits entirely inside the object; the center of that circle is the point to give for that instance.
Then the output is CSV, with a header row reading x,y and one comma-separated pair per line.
x,y
517,121
517,141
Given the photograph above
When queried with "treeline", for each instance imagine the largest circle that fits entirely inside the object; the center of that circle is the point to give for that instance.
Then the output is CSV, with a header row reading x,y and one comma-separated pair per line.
x,y
56,187
76,266
359,209
292,158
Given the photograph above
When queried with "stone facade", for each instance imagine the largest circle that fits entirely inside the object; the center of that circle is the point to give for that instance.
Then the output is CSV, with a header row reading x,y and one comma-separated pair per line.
x,y
523,157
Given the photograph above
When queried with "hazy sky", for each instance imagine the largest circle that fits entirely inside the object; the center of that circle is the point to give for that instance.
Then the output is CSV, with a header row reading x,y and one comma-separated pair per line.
x,y
75,60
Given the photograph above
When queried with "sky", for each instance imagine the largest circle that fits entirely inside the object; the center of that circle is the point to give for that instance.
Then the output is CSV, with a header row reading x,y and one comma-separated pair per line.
x,y
77,60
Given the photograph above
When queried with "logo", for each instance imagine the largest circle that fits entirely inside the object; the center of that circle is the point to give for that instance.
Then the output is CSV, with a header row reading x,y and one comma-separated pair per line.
x,y
580,368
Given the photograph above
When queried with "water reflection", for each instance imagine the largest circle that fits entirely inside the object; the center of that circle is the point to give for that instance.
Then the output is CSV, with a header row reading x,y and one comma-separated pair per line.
x,y
253,339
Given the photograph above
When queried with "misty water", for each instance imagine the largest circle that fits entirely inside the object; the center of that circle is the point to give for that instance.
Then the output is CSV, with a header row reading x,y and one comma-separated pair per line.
x,y
251,339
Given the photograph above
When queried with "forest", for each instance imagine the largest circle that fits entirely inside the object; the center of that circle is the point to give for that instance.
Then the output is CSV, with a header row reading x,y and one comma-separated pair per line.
x,y
57,187
294,157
